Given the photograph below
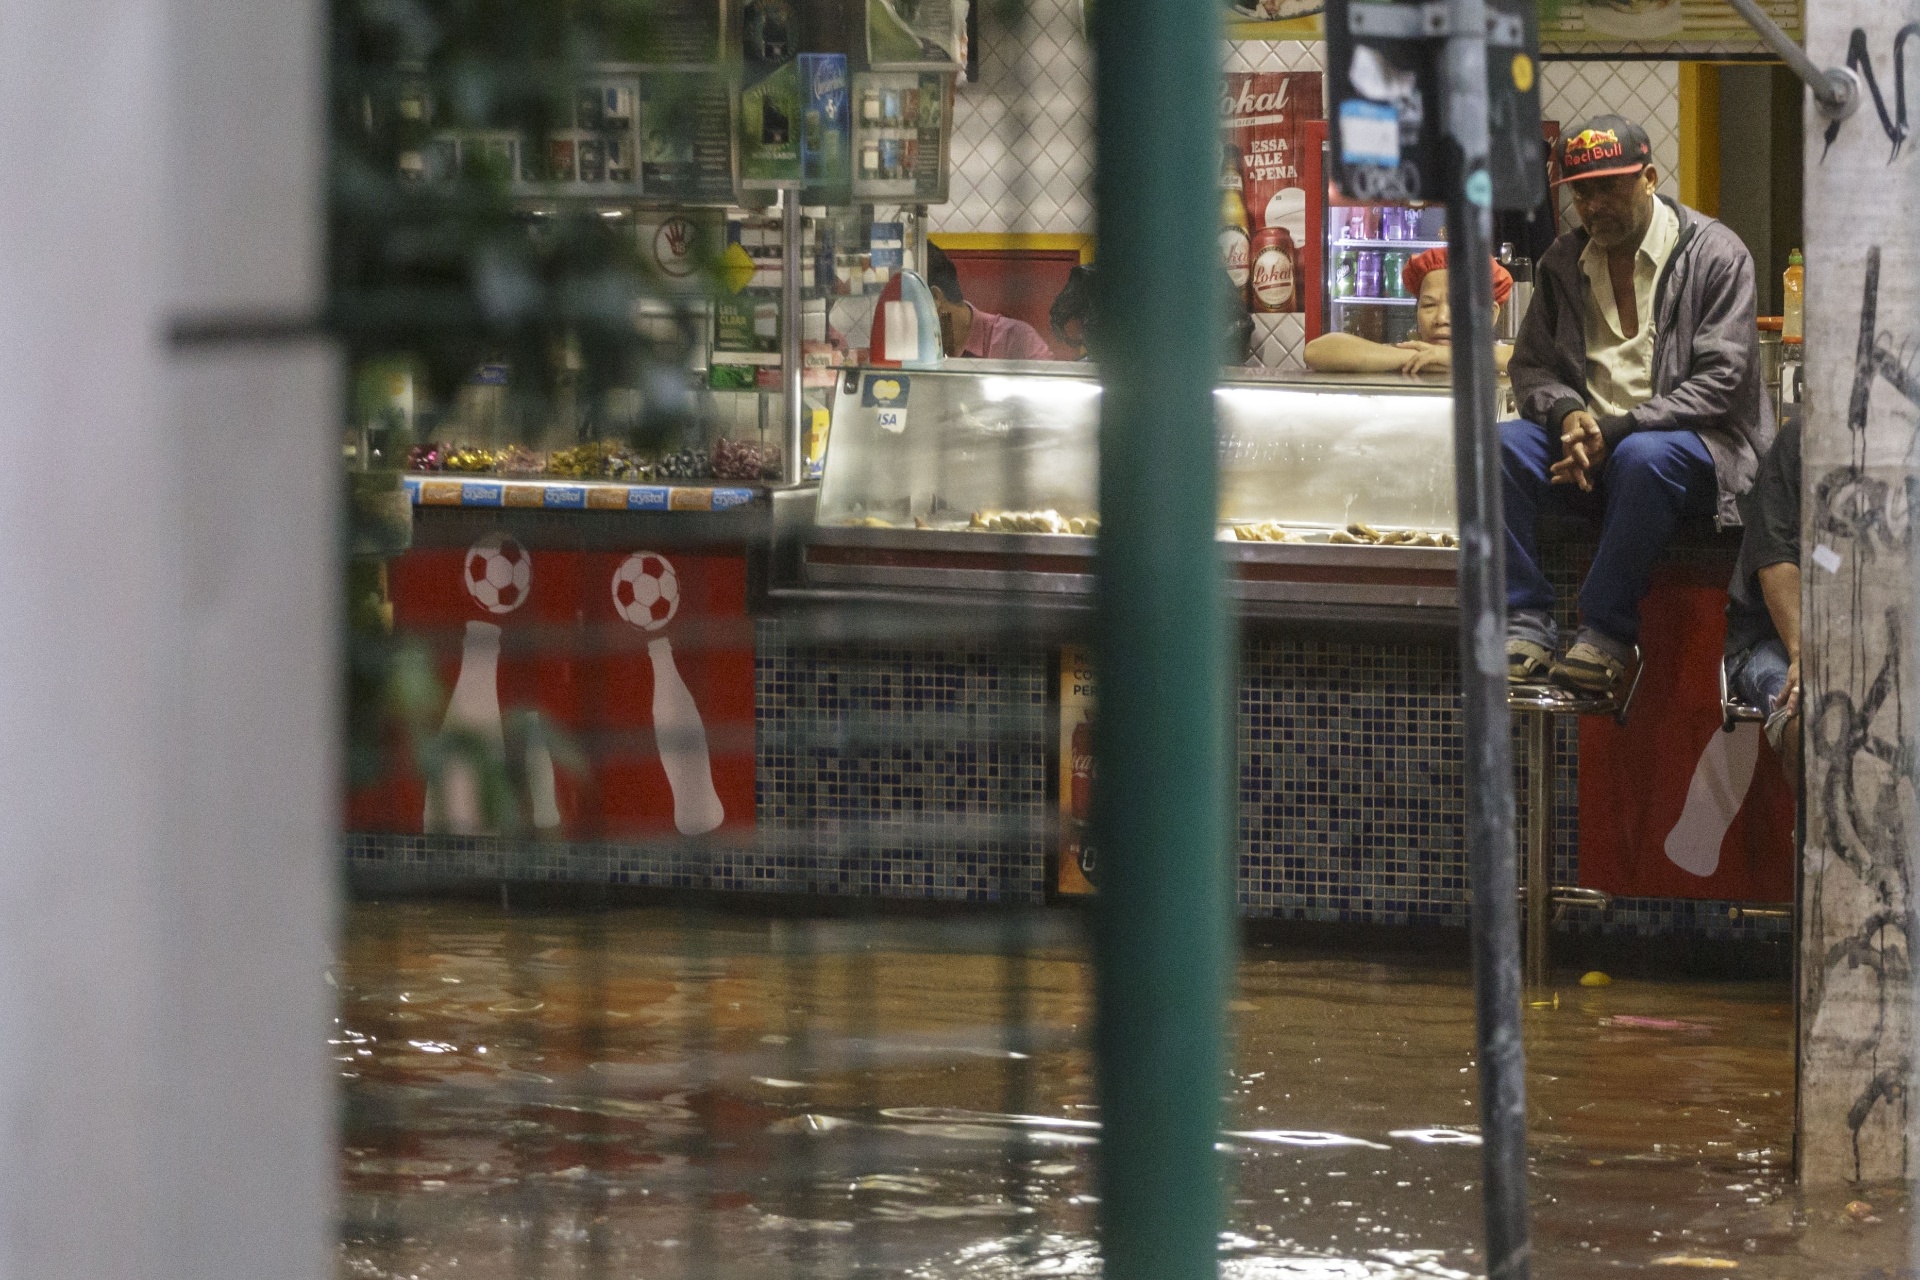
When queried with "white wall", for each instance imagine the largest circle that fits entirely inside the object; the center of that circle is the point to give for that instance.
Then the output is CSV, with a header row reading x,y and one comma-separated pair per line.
x,y
167,705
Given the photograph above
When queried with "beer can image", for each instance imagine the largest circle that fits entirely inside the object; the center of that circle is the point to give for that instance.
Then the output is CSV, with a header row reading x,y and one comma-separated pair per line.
x,y
1275,272
909,157
560,160
870,158
890,108
890,156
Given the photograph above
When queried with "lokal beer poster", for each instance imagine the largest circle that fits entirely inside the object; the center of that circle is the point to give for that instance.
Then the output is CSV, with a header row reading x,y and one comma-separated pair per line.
x,y
616,688
1265,117
1671,806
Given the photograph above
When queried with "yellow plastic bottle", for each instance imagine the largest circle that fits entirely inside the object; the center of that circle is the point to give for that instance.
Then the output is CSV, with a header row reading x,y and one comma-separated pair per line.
x,y
1793,325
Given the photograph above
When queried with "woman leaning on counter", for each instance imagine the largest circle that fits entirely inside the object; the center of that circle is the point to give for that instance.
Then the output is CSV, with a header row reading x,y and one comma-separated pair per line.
x,y
1425,277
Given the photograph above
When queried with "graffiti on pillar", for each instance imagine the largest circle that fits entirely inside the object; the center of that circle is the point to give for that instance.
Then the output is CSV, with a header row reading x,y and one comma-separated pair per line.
x,y
1861,771
1860,61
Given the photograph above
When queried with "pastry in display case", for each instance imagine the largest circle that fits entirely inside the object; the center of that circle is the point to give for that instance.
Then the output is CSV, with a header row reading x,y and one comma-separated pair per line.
x,y
1336,492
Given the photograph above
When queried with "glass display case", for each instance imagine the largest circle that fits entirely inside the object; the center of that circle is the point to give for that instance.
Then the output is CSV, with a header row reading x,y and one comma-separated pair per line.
x,y
1336,495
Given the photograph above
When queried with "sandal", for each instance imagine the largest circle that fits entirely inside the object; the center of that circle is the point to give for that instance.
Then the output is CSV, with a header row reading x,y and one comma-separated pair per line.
x,y
1528,661
1587,669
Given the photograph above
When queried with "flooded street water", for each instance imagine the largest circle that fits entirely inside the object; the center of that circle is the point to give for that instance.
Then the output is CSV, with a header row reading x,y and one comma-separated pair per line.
x,y
637,1094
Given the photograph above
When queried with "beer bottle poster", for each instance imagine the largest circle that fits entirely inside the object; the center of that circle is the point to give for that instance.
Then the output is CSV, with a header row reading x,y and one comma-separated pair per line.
x,y
1264,115
1078,867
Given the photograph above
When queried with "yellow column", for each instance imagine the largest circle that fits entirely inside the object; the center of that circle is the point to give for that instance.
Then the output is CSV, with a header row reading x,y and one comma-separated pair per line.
x,y
1699,174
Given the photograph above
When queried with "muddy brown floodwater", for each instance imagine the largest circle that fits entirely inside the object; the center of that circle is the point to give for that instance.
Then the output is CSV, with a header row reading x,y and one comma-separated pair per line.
x,y
646,1094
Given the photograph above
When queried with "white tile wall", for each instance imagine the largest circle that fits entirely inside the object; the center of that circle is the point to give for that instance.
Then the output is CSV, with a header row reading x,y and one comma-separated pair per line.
x,y
1023,141
1023,136
1645,92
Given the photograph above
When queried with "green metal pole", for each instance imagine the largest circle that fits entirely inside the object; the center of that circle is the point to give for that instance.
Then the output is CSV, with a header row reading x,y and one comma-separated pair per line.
x,y
1162,740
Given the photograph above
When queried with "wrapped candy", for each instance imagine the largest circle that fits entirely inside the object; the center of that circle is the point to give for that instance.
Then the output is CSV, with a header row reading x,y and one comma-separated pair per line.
x,y
424,457
686,464
518,460
745,459
471,459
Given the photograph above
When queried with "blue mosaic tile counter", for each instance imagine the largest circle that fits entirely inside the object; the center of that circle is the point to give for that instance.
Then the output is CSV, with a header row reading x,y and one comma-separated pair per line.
x,y
907,772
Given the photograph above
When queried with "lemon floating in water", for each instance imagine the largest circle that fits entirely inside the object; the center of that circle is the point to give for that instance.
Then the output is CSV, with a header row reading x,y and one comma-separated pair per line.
x,y
1595,979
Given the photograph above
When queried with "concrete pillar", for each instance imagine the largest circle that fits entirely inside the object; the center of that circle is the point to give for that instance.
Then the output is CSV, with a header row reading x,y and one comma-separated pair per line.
x,y
167,692
1863,337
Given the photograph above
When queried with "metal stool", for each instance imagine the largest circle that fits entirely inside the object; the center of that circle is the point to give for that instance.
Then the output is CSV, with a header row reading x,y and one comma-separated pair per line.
x,y
1542,702
1733,711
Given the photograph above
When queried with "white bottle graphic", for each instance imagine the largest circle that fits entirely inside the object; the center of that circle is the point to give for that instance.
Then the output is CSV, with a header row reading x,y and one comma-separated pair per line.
x,y
498,574
1719,788
453,799
540,791
646,592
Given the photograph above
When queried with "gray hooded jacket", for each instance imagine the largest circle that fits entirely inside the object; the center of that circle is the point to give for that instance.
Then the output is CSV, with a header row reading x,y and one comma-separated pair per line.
x,y
1706,352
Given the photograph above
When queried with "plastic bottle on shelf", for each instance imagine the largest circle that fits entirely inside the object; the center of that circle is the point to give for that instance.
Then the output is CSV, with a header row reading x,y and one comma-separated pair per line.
x,y
1794,282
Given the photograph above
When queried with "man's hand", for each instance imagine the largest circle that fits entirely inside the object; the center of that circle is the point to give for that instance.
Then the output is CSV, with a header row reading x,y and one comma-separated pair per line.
x,y
1585,448
1790,692
1424,357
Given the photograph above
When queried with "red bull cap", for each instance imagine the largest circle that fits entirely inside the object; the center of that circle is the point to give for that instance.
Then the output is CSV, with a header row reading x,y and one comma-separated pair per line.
x,y
1604,145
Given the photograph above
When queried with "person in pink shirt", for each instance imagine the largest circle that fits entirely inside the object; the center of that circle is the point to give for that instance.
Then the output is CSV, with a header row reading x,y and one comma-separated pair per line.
x,y
965,330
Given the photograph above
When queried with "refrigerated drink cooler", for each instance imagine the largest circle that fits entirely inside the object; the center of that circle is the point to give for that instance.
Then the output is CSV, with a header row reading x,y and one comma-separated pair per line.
x,y
1367,245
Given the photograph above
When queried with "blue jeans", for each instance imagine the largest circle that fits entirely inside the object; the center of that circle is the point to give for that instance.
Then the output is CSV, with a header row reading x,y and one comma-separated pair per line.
x,y
1646,484
1757,676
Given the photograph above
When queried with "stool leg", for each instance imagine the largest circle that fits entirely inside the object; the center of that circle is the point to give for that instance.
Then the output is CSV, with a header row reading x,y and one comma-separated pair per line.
x,y
1539,844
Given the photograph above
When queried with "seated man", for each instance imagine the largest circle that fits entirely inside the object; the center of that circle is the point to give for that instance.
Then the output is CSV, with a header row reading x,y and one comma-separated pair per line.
x,y
1763,602
1637,376
1424,277
967,331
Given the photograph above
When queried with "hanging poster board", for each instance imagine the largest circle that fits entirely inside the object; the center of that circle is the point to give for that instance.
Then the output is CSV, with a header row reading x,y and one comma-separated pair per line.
x,y
901,126
686,136
1570,29
1076,866
1642,28
904,34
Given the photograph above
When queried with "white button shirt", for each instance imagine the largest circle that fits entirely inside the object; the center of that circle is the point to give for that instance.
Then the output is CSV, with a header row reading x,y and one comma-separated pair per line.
x,y
1619,368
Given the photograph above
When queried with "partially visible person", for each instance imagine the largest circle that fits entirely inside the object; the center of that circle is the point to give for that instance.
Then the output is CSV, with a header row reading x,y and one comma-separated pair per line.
x,y
965,330
1763,601
1425,278
1072,311
1071,318
1637,376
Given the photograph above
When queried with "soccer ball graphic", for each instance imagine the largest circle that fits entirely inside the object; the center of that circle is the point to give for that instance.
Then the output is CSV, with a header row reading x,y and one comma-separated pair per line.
x,y
498,573
646,591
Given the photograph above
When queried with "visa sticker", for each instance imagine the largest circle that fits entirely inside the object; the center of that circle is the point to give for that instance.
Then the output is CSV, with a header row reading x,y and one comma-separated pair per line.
x,y
885,391
1369,134
894,420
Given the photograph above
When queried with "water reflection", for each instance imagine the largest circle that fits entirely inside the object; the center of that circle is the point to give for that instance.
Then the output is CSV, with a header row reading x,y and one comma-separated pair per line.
x,y
620,1094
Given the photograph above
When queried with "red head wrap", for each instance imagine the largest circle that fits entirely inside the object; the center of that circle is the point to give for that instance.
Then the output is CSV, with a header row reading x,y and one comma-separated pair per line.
x,y
1436,260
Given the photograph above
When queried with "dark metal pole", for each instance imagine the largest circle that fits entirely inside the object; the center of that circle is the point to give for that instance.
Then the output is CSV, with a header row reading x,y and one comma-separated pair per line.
x,y
1483,663
1163,915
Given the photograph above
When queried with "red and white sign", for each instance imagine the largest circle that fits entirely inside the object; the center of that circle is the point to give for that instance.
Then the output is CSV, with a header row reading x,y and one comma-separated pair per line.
x,y
1265,115
1670,806
640,660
